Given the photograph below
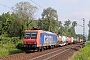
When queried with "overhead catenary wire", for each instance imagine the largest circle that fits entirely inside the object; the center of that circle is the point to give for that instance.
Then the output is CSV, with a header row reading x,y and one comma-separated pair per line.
x,y
37,4
44,3
47,5
11,1
5,6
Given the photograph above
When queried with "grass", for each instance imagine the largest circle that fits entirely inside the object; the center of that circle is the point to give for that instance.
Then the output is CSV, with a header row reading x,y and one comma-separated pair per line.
x,y
6,52
8,48
3,52
84,53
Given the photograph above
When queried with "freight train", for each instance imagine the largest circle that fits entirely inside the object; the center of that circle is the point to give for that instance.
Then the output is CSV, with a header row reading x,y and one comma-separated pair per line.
x,y
39,40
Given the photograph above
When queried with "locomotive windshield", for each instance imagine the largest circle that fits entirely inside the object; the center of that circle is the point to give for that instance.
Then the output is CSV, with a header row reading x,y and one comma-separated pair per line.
x,y
31,35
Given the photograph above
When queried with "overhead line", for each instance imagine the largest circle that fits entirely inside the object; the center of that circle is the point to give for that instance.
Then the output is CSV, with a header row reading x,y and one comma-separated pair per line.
x,y
5,6
10,1
44,2
37,4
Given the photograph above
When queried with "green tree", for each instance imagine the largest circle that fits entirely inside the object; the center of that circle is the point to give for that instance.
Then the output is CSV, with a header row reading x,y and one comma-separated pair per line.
x,y
80,36
89,35
32,23
50,13
72,32
61,30
11,24
50,20
74,23
89,31
59,23
0,27
67,23
26,11
15,26
5,21
67,27
72,29
42,24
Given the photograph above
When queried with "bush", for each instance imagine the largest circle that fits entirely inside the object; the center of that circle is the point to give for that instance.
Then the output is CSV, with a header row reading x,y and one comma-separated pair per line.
x,y
10,45
15,51
84,53
3,52
15,40
19,45
87,43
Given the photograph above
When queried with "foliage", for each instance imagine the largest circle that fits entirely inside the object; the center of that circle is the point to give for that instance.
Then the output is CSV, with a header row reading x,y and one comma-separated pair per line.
x,y
89,31
72,32
68,29
50,13
26,11
80,36
49,20
11,24
87,43
74,23
89,35
67,23
8,45
83,53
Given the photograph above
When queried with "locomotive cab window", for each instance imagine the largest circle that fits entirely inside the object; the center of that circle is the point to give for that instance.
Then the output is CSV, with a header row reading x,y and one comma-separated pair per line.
x,y
32,35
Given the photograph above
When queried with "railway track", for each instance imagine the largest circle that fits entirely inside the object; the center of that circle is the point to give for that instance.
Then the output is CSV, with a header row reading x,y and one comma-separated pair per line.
x,y
59,53
51,55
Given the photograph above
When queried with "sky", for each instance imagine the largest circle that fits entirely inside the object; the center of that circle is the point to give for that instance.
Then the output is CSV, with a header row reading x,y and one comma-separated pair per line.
x,y
74,10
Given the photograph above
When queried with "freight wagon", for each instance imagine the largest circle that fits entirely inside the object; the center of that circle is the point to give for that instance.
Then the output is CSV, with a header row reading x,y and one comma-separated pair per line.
x,y
74,40
39,39
69,40
79,40
61,40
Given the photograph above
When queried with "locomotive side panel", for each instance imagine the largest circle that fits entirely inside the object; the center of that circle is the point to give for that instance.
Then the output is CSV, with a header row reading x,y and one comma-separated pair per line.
x,y
47,39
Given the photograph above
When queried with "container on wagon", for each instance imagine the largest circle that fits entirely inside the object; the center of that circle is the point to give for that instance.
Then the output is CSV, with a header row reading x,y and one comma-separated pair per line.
x,y
74,40
39,38
81,40
78,40
69,39
62,40
59,37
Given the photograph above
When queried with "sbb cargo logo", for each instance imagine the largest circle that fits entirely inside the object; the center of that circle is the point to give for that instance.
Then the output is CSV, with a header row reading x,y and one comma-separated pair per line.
x,y
48,39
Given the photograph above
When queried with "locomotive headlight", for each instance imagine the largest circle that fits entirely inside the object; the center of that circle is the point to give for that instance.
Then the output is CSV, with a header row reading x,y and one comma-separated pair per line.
x,y
25,43
34,42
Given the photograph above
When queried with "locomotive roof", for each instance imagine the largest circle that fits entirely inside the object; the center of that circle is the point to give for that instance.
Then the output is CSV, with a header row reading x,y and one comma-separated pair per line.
x,y
41,30
48,32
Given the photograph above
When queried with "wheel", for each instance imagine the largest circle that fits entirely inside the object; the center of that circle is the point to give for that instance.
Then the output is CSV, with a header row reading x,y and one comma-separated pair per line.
x,y
42,49
38,49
